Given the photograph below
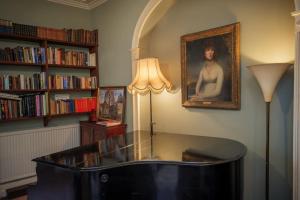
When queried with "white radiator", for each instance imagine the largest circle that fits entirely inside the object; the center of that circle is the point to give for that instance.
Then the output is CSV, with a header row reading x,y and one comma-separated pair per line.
x,y
17,149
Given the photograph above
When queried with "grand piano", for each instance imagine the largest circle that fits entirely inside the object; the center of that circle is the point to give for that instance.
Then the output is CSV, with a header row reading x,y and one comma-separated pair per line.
x,y
181,167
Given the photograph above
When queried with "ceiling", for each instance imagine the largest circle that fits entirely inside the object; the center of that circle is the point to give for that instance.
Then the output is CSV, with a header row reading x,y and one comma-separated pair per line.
x,y
84,4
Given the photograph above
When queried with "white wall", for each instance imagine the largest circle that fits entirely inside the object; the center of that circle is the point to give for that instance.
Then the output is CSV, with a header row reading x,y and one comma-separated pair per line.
x,y
115,21
267,35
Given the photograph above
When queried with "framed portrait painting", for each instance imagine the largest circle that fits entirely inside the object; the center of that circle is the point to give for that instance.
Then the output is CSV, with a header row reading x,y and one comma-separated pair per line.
x,y
112,103
210,68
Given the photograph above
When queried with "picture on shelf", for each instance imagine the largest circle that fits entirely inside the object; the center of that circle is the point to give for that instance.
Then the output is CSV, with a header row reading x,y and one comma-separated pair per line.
x,y
112,103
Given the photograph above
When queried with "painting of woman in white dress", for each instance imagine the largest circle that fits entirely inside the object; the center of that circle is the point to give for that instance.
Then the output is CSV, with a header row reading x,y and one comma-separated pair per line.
x,y
210,68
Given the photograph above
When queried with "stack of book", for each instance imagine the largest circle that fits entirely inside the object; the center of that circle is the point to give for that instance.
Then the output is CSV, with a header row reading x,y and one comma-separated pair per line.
x,y
62,56
16,106
78,105
72,82
81,36
20,82
34,55
51,33
6,26
68,35
109,122
24,30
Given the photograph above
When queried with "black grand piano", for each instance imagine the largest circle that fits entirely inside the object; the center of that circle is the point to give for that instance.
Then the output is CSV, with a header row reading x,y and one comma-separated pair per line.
x,y
182,167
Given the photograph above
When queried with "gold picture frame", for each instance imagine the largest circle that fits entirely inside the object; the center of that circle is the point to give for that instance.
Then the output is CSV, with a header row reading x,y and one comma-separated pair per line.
x,y
210,68
111,103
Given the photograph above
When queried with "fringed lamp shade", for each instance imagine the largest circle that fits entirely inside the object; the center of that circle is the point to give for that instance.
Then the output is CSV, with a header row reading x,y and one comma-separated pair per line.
x,y
149,78
267,76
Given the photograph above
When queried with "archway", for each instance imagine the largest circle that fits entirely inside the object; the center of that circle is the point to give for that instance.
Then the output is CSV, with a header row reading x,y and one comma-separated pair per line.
x,y
152,13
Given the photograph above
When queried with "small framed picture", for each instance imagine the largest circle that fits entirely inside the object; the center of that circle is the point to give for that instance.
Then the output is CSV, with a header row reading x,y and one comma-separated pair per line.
x,y
112,103
210,68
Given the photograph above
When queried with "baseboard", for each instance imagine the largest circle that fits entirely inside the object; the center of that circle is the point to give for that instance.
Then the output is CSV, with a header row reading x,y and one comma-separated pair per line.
x,y
7,186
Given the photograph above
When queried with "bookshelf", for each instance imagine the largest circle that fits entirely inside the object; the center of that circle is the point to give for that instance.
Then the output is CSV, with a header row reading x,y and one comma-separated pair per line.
x,y
76,45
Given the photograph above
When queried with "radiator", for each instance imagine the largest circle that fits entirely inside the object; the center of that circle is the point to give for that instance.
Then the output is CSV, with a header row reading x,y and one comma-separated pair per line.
x,y
17,149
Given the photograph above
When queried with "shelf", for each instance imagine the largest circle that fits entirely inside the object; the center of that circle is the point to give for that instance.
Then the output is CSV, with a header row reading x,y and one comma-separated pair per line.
x,y
71,90
71,66
50,41
46,67
20,64
69,114
21,118
23,91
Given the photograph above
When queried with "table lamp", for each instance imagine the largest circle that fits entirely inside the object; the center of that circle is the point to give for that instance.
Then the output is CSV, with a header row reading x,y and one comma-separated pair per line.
x,y
267,76
149,79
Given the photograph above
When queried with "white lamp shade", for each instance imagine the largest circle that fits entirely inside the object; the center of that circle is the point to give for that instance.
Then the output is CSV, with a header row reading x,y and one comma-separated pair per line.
x,y
267,76
149,78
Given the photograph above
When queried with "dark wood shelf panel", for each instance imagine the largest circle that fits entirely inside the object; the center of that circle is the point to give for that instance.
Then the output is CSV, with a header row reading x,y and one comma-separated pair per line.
x,y
69,114
23,91
50,41
71,90
21,64
21,119
71,66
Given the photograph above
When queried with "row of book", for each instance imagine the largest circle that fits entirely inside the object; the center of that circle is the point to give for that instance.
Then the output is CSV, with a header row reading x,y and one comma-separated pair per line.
x,y
8,27
78,105
21,82
29,105
62,56
72,82
68,35
35,55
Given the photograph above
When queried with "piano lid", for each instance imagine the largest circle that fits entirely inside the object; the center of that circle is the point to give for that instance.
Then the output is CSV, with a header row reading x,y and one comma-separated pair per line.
x,y
167,147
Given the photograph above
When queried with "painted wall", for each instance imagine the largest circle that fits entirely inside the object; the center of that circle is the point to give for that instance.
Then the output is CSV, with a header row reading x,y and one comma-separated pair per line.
x,y
115,21
40,13
267,35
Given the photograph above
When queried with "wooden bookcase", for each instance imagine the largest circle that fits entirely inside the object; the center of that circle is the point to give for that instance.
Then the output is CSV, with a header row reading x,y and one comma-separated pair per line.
x,y
45,43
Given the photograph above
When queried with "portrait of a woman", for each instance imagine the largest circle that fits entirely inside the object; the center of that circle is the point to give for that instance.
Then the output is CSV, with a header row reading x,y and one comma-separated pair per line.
x,y
210,68
211,76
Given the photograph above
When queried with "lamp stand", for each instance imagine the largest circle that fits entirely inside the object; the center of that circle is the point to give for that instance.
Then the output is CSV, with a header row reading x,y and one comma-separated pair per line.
x,y
267,147
151,126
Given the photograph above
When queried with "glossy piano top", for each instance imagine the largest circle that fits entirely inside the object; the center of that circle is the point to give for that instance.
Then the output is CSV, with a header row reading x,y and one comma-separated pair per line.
x,y
171,148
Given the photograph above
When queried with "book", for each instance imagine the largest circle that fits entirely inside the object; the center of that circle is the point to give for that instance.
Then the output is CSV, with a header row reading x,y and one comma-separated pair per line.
x,y
21,82
9,96
63,104
109,123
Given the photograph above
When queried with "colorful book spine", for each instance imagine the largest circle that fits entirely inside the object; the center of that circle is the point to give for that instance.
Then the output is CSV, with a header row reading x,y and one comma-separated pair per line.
x,y
79,105
22,82
29,105
72,82
33,55
61,56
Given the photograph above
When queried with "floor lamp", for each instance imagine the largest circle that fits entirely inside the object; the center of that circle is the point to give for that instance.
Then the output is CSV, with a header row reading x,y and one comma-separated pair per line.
x,y
149,79
267,76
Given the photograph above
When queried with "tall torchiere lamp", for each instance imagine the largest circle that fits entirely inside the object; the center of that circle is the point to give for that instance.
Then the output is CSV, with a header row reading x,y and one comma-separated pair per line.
x,y
267,76
149,79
